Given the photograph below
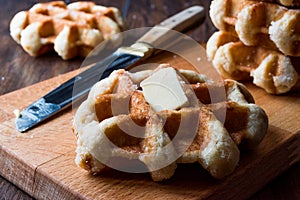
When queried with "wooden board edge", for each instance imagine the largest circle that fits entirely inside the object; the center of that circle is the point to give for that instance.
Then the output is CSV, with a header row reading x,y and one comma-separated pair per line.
x,y
47,187
266,168
17,172
45,84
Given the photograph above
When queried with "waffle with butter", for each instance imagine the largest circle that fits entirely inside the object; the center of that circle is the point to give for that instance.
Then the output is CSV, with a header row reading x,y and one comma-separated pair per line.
x,y
268,25
120,120
71,30
271,70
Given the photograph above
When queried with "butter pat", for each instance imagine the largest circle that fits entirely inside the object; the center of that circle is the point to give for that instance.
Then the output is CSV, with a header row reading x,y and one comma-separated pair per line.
x,y
163,91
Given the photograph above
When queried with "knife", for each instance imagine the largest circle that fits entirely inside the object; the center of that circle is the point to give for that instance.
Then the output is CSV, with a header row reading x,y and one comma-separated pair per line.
x,y
63,96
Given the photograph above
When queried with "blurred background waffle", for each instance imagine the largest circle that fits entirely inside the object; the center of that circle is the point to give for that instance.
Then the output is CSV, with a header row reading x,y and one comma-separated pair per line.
x,y
71,30
259,39
270,70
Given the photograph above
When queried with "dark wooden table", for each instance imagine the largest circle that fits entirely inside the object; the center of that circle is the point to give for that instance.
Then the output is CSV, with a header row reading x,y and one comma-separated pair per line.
x,y
19,70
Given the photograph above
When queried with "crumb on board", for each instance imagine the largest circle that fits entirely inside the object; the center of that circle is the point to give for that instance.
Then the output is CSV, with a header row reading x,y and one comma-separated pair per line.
x,y
17,113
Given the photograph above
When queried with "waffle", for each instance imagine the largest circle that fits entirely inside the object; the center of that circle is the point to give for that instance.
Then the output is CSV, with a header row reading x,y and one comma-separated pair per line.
x,y
289,3
259,23
271,70
71,30
207,130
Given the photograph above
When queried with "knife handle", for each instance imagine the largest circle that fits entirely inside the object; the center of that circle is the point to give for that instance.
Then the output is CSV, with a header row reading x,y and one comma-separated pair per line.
x,y
179,22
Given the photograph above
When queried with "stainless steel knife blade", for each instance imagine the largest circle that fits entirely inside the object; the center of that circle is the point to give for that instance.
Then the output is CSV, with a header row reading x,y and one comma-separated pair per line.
x,y
62,96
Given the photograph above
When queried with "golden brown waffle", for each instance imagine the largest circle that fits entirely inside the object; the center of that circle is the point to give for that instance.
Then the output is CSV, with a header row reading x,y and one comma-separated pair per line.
x,y
271,70
259,24
210,129
71,30
289,3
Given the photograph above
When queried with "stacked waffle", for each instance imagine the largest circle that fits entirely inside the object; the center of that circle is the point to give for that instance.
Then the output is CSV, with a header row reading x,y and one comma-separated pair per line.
x,y
258,39
117,122
71,30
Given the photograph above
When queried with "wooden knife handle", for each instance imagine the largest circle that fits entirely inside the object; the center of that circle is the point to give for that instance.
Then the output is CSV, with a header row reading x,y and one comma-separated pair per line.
x,y
179,22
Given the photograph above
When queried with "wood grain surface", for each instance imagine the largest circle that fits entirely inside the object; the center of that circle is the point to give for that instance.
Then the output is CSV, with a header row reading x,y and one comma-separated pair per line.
x,y
19,70
41,161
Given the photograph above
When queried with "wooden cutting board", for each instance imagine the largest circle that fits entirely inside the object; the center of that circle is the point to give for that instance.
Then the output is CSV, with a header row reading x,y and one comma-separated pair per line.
x,y
41,161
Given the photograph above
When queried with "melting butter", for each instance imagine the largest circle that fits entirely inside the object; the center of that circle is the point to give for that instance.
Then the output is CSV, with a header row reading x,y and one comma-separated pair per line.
x,y
163,91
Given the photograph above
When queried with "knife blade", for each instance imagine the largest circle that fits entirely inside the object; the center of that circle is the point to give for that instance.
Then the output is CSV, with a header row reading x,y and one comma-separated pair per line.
x,y
63,96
